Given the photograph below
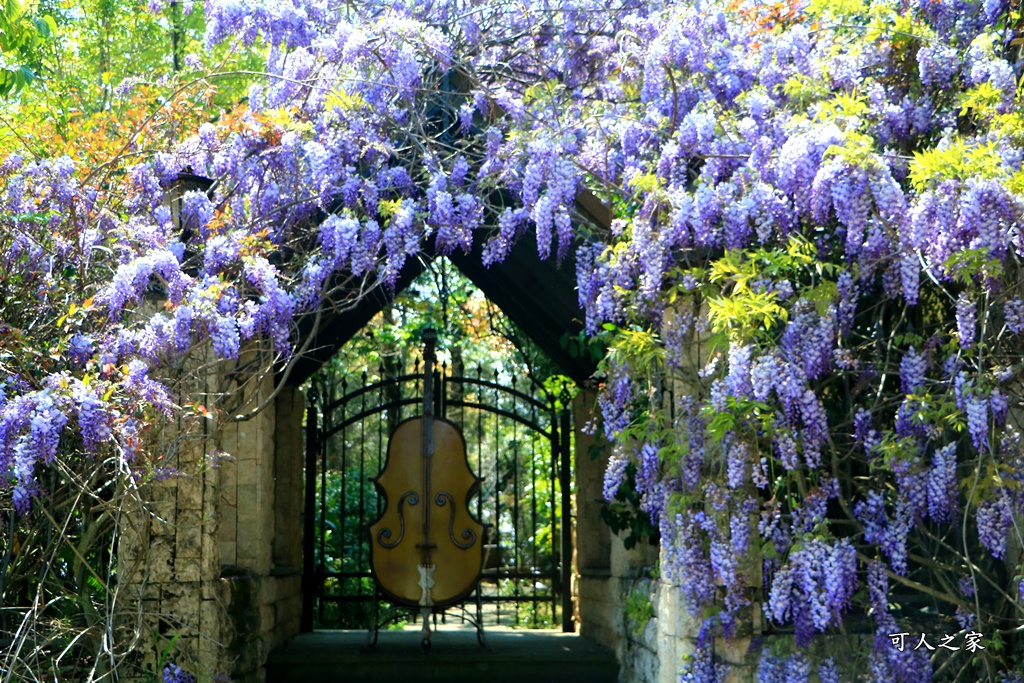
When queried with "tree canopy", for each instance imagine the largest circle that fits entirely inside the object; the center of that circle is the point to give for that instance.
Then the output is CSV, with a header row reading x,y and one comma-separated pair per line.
x,y
815,243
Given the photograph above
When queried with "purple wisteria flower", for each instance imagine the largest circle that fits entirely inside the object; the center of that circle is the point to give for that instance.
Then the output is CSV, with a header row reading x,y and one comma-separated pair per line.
x,y
700,668
175,674
827,671
809,340
966,309
912,371
995,517
1013,312
615,403
614,474
814,587
685,561
977,421
942,500
738,377
81,348
93,419
703,133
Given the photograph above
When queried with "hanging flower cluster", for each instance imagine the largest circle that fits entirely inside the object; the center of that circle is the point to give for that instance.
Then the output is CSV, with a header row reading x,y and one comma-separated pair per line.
x,y
843,208
816,233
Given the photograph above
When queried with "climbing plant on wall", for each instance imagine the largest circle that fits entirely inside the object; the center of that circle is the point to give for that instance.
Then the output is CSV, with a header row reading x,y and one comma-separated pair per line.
x,y
815,239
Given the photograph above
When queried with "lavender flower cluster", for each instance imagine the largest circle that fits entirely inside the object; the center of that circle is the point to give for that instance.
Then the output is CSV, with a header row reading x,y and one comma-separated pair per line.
x,y
814,587
173,673
709,131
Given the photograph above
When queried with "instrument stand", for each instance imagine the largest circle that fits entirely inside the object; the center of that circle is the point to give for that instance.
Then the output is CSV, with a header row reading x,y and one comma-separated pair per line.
x,y
371,635
480,637
426,632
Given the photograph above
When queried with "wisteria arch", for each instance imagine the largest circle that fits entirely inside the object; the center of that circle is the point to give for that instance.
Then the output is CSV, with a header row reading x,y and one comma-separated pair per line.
x,y
847,175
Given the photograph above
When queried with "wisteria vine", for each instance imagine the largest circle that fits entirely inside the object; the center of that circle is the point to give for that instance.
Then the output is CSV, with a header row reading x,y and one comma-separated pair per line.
x,y
810,280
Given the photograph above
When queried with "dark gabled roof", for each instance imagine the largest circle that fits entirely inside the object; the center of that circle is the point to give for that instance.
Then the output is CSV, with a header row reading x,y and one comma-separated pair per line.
x,y
538,296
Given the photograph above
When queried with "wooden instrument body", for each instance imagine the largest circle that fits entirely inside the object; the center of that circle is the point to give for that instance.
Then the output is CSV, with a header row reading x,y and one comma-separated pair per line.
x,y
427,520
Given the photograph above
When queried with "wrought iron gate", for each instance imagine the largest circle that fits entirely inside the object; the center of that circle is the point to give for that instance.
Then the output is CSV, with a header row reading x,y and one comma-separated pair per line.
x,y
518,439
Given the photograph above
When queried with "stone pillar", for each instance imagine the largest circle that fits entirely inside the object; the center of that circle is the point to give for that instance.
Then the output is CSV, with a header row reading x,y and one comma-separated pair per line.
x,y
606,573
207,556
677,628
638,646
247,535
169,570
592,543
289,449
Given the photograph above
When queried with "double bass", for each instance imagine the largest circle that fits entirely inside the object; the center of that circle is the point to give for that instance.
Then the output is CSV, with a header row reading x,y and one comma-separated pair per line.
x,y
426,549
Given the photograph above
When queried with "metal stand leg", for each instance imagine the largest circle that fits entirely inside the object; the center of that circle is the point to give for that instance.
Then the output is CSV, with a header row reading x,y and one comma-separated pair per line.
x,y
371,636
480,617
425,631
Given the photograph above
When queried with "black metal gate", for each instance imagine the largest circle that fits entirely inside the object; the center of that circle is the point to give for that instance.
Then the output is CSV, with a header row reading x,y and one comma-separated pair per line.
x,y
519,439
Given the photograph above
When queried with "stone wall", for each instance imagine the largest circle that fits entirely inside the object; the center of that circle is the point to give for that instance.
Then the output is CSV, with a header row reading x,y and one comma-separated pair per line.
x,y
607,575
639,643
593,602
652,651
260,535
211,563
168,556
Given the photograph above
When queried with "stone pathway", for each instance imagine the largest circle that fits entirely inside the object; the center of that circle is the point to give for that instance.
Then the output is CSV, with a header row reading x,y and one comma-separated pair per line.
x,y
512,656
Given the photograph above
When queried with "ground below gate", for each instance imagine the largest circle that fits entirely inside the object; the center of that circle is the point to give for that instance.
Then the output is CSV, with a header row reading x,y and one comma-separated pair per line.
x,y
512,656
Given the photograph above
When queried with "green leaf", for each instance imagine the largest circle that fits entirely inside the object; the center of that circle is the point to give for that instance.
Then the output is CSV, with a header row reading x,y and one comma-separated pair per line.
x,y
982,99
960,160
802,91
51,25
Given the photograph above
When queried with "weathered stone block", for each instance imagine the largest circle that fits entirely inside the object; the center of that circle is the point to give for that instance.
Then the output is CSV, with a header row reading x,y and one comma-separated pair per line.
x,y
163,516
229,483
248,473
267,615
161,559
633,562
187,569
210,559
739,674
189,533
290,586
592,543
246,448
228,528
161,491
649,635
247,503
639,663
265,446
190,492
292,611
251,545
211,477
675,620
228,553
179,606
734,651
228,438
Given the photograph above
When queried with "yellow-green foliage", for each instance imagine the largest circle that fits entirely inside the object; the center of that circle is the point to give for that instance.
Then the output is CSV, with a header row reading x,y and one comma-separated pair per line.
x,y
957,161
803,91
